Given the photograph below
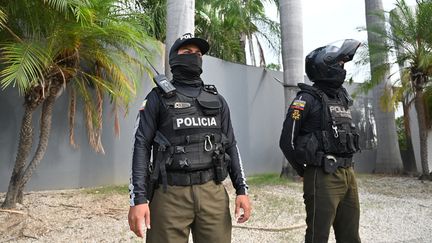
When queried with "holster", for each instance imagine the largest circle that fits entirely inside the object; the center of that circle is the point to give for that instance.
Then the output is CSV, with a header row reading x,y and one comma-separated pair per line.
x,y
158,168
330,164
220,164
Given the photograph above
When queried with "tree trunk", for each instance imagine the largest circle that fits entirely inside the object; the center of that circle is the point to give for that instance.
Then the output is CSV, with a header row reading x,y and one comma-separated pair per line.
x,y
45,129
19,179
423,132
251,50
388,159
243,39
180,20
292,56
24,149
410,165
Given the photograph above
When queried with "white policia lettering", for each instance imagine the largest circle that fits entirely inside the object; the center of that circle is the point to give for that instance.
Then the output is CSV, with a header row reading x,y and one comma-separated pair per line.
x,y
196,121
340,111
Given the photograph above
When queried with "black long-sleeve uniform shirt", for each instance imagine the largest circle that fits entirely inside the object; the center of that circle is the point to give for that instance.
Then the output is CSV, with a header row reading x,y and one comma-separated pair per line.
x,y
304,116
145,130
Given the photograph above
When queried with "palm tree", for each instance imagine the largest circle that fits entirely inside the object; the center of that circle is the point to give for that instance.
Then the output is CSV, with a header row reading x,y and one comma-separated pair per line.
x,y
388,157
292,54
409,39
227,25
48,46
153,18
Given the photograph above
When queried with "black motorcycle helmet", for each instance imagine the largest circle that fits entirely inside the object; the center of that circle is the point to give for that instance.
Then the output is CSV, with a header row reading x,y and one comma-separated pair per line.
x,y
327,63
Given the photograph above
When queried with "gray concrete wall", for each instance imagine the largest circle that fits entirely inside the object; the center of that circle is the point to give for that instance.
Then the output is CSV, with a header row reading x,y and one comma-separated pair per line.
x,y
64,166
257,111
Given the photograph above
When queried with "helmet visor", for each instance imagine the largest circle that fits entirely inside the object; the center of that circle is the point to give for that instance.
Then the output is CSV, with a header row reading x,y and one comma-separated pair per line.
x,y
341,51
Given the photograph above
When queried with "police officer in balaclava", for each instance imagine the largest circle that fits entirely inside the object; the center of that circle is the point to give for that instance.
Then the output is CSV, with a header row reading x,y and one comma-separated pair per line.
x,y
189,133
319,139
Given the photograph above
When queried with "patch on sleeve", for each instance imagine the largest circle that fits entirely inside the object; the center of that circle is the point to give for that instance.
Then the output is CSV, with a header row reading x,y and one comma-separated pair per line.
x,y
143,105
296,115
298,104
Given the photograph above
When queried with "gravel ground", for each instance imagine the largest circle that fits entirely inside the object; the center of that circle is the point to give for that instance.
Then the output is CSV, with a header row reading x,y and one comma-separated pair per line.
x,y
393,209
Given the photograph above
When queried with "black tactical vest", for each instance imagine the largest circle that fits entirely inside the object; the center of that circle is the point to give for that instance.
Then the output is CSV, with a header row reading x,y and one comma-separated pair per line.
x,y
193,127
338,135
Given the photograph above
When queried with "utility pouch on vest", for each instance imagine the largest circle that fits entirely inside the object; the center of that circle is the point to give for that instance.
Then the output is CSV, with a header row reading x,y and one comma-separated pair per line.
x,y
351,142
342,136
210,103
330,164
306,150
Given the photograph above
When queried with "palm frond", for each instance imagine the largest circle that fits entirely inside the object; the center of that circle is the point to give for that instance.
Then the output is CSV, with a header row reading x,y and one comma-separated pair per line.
x,y
3,19
24,65
95,46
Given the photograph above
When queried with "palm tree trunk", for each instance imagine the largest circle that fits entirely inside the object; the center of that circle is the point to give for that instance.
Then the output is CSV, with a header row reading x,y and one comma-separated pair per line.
x,y
423,130
180,20
410,166
292,55
243,39
251,50
24,149
21,176
45,129
388,157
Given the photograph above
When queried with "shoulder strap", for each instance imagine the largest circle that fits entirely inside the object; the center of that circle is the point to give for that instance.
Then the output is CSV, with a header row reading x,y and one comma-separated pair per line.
x,y
163,98
210,88
325,113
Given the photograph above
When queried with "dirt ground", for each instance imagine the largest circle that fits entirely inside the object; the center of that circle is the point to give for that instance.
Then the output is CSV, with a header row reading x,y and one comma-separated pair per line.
x,y
393,209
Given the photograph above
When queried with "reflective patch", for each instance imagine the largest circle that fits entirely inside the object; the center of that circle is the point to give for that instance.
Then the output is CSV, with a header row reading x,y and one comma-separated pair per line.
x,y
143,105
296,115
298,104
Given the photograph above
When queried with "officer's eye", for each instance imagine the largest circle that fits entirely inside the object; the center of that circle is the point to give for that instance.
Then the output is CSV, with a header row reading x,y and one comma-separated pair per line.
x,y
190,51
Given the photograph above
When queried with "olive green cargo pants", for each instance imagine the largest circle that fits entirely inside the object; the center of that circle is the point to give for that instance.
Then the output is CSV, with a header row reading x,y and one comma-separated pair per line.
x,y
331,199
202,209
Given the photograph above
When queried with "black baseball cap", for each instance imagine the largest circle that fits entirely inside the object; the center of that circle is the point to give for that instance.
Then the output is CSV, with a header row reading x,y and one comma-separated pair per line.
x,y
188,38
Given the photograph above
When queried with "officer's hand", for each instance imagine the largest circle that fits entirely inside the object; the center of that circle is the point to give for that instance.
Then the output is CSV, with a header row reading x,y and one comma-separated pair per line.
x,y
242,202
137,214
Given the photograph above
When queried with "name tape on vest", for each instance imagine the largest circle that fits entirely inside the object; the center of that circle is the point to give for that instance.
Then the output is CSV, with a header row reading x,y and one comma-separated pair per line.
x,y
196,122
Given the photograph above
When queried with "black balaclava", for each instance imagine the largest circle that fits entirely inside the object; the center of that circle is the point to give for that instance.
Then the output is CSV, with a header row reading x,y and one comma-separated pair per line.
x,y
329,88
332,86
186,68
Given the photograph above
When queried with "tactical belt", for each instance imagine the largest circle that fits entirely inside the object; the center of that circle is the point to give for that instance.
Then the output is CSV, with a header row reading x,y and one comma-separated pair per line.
x,y
344,162
175,178
341,162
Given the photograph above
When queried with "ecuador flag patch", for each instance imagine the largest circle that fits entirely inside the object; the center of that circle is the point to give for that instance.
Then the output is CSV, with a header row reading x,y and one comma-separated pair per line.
x,y
298,104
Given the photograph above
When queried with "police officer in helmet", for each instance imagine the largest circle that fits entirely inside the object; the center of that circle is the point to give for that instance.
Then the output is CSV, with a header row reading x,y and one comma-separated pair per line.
x,y
189,133
319,139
